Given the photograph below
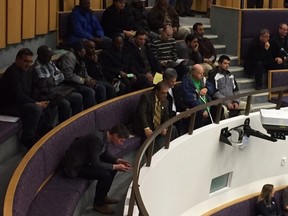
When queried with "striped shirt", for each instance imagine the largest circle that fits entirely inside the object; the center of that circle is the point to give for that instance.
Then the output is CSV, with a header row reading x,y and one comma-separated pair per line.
x,y
164,50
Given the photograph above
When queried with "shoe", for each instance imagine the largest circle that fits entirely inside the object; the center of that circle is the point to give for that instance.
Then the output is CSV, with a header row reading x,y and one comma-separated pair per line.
x,y
258,87
104,209
109,200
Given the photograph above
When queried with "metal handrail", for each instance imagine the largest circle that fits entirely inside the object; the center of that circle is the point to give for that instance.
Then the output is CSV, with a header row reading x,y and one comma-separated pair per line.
x,y
149,142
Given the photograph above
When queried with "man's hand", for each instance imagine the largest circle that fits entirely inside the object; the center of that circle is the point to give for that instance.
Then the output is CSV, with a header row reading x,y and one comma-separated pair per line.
x,y
267,45
164,132
149,77
121,167
203,91
278,60
123,74
126,163
129,34
230,106
205,114
148,132
236,105
42,104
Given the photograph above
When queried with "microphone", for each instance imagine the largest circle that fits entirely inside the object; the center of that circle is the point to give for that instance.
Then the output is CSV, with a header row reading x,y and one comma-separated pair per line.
x,y
284,51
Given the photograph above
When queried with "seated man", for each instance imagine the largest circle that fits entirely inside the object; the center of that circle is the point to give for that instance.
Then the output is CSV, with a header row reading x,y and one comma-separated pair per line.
x,y
84,25
226,85
280,42
16,99
115,67
262,57
117,19
48,85
75,73
164,49
196,91
206,48
137,10
88,158
151,112
189,49
95,70
162,14
141,61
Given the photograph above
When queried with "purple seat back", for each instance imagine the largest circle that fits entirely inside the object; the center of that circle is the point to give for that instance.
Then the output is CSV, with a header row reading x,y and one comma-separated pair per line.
x,y
119,111
46,159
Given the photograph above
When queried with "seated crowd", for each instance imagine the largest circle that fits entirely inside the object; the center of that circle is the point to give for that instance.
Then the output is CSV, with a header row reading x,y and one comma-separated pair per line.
x,y
131,55
134,48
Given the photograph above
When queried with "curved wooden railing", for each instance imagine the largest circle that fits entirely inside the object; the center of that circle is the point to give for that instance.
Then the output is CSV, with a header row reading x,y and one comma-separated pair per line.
x,y
149,143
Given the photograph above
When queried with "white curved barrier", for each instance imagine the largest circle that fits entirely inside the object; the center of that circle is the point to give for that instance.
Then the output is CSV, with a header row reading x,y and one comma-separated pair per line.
x,y
179,179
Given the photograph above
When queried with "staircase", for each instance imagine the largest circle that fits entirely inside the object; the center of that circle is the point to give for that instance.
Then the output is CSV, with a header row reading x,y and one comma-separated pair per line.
x,y
10,156
259,101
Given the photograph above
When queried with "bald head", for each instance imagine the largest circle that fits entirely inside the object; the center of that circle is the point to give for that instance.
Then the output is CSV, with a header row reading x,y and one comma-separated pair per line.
x,y
197,72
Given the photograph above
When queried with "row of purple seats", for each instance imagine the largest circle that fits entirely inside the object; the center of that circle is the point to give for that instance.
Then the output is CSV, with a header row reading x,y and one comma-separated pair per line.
x,y
245,207
38,187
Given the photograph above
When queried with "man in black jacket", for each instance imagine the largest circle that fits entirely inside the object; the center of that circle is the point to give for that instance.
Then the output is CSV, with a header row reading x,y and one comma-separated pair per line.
x,y
88,158
141,61
16,98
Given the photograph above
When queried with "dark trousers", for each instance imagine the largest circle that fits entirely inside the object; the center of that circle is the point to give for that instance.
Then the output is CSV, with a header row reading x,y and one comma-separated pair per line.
x,y
183,6
100,93
110,90
88,95
253,3
36,121
105,179
72,103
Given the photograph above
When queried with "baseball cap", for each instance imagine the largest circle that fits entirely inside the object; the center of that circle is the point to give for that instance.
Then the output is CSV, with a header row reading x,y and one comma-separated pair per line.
x,y
45,51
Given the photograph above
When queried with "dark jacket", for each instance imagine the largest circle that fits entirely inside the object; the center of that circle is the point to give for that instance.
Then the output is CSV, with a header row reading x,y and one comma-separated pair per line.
x,y
139,16
112,63
83,25
136,63
88,150
156,17
94,69
115,21
15,87
190,92
264,210
145,113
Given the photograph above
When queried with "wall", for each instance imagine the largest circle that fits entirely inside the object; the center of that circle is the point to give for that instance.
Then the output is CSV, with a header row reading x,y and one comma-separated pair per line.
x,y
8,54
179,179
228,28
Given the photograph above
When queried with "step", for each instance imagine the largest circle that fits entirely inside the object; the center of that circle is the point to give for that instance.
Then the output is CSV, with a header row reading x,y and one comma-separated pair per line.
x,y
237,71
220,48
6,172
245,83
256,107
258,98
9,148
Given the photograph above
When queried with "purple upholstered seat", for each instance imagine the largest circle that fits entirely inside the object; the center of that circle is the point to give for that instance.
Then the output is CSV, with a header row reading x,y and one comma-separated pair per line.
x,y
43,164
59,197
